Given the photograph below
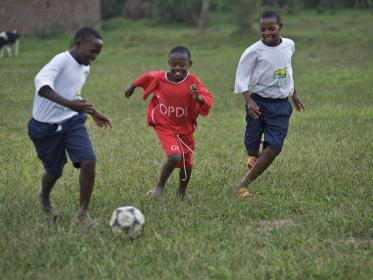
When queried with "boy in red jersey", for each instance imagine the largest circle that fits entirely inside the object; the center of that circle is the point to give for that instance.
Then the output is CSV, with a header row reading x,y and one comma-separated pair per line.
x,y
178,98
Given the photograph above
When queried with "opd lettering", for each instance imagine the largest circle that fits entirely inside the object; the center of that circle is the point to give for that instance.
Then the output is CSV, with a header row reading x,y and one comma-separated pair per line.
x,y
163,109
179,112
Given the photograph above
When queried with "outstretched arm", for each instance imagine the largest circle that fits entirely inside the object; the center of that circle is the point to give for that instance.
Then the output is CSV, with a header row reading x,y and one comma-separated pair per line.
x,y
296,101
129,90
147,82
80,105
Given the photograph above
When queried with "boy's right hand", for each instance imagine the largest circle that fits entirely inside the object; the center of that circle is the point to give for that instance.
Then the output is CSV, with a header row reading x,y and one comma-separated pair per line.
x,y
253,108
80,105
129,91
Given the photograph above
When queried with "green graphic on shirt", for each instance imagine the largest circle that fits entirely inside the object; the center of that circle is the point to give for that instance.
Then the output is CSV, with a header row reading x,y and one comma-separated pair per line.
x,y
280,73
267,86
78,95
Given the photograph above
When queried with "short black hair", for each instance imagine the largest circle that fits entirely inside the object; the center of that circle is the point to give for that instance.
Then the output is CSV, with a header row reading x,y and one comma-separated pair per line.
x,y
180,49
85,33
271,14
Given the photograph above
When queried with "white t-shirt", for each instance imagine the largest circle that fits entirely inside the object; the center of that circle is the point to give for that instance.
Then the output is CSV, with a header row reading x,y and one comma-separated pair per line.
x,y
66,77
266,70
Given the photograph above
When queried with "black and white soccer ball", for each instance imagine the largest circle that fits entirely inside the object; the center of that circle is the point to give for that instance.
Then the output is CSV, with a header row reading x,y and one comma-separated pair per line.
x,y
127,221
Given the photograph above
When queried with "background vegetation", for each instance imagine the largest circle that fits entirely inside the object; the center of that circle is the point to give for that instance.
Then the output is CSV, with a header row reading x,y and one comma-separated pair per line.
x,y
188,11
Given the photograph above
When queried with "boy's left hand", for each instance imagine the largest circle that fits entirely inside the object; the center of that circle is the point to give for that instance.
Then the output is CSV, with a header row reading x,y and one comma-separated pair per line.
x,y
100,119
297,103
194,91
195,94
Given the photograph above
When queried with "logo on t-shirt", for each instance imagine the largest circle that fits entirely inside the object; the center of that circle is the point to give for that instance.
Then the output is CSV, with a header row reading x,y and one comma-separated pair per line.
x,y
280,73
172,111
78,95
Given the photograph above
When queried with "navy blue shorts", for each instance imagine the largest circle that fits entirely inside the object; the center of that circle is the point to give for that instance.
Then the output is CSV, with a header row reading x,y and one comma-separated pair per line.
x,y
273,122
52,141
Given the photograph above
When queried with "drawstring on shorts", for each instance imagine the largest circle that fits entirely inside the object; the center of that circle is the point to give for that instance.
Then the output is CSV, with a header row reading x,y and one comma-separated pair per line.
x,y
182,150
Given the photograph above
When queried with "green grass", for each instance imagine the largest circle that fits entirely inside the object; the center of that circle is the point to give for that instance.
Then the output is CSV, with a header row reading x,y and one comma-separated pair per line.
x,y
310,218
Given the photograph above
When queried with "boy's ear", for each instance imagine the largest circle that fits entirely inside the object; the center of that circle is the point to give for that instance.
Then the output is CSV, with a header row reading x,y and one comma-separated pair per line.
x,y
78,42
190,63
281,25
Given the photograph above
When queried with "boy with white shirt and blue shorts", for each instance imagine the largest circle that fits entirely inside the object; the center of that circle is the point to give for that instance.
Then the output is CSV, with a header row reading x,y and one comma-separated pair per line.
x,y
58,120
264,77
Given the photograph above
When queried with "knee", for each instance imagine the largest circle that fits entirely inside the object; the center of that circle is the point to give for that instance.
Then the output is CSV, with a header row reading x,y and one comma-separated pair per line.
x,y
89,164
272,151
252,153
52,175
174,159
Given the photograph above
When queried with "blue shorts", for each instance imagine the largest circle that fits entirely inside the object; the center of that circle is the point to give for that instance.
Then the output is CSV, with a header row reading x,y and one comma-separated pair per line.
x,y
52,141
273,122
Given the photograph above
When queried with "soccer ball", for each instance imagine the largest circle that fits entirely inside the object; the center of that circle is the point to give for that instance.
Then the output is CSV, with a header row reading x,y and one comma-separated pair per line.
x,y
127,221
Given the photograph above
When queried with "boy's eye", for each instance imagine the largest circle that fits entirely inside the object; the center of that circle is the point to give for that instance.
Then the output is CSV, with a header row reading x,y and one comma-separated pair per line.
x,y
174,65
271,28
94,51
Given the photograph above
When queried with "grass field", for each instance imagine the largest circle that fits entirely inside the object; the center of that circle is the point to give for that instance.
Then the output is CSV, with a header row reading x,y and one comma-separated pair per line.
x,y
311,216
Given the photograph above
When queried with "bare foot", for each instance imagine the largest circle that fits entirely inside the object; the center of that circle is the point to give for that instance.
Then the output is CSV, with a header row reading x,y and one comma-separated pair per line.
x,y
183,195
83,218
156,192
48,208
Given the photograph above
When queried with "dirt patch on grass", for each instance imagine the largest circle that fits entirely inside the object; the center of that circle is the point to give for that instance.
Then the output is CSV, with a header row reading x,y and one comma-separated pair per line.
x,y
266,226
359,242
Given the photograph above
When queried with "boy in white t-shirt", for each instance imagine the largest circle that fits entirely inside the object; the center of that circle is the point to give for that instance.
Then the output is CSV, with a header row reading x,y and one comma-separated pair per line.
x,y
265,79
58,116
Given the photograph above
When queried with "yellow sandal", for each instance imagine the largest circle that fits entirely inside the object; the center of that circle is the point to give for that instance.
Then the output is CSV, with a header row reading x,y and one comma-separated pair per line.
x,y
251,161
243,192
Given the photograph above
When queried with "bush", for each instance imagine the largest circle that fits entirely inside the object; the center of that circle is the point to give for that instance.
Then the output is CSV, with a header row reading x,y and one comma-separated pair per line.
x,y
176,11
287,6
111,8
246,11
137,9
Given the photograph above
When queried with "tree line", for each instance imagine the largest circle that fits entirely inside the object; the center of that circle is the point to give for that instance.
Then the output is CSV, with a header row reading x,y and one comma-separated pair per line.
x,y
196,12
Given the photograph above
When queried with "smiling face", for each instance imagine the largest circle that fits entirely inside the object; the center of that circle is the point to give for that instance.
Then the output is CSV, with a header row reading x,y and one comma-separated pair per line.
x,y
85,51
179,63
270,31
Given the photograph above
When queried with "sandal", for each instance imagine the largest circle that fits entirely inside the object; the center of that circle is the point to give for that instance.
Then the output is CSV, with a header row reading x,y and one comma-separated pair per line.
x,y
243,192
251,161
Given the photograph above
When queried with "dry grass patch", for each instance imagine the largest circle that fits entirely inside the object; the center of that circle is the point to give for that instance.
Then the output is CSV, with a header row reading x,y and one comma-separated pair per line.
x,y
359,242
266,226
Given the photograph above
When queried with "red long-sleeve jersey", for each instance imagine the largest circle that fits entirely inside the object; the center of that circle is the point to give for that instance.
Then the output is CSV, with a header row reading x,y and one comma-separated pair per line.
x,y
172,107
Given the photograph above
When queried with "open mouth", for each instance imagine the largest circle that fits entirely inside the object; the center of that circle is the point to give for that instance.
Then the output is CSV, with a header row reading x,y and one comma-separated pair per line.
x,y
178,74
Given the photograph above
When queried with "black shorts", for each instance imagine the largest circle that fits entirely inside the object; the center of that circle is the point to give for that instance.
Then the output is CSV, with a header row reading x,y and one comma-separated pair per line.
x,y
273,122
53,141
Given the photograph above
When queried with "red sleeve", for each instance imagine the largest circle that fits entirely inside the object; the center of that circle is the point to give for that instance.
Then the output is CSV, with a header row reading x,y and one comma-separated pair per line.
x,y
148,82
207,97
